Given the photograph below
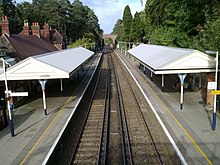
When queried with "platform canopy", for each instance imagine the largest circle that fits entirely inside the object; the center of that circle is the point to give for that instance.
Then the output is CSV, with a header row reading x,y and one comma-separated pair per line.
x,y
170,60
53,65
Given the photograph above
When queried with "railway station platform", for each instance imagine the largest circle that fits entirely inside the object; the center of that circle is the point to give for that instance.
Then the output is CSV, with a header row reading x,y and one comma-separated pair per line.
x,y
36,133
191,127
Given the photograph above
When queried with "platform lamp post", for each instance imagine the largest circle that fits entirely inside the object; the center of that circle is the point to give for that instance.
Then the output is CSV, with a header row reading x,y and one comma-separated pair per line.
x,y
11,125
216,85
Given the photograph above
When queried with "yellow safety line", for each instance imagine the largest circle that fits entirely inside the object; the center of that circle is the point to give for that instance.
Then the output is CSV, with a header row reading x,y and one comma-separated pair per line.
x,y
184,130
29,153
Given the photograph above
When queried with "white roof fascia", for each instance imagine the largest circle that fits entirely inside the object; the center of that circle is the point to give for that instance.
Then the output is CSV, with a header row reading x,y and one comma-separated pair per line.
x,y
189,60
31,68
183,71
193,60
53,65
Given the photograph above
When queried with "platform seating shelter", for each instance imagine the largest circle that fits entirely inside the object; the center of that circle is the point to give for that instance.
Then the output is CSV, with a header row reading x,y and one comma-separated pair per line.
x,y
54,65
176,62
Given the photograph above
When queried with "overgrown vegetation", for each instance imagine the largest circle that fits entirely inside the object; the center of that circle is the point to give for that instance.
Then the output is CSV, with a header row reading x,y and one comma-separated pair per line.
x,y
179,23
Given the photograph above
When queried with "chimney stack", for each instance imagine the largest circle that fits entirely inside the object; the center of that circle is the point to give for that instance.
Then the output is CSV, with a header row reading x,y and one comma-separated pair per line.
x,y
35,29
26,28
5,25
46,31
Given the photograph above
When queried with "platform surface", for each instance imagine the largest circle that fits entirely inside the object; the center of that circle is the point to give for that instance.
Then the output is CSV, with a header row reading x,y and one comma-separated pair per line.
x,y
35,133
191,127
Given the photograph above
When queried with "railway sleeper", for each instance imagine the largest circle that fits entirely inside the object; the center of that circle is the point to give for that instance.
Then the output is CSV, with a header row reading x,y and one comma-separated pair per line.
x,y
93,128
89,141
95,117
90,136
87,150
85,158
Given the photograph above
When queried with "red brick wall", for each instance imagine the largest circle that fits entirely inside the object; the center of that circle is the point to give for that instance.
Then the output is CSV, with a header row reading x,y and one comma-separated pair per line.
x,y
210,97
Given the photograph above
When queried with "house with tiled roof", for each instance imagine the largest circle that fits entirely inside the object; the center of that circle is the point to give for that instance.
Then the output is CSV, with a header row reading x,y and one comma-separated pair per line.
x,y
50,34
30,41
14,48
26,46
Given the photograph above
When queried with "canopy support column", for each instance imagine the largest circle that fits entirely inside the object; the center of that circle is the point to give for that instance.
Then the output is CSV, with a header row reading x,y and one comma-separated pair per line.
x,y
182,77
162,82
61,85
194,79
151,75
8,97
200,81
78,74
82,68
43,83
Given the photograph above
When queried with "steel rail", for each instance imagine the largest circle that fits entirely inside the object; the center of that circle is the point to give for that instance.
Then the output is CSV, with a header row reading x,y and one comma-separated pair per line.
x,y
87,114
106,110
120,121
145,123
108,115
121,117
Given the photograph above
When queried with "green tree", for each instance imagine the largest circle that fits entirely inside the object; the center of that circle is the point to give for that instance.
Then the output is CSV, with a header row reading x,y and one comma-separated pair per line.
x,y
208,38
127,20
54,12
108,41
82,23
8,8
178,22
77,24
1,7
74,21
182,23
92,24
136,29
118,29
25,12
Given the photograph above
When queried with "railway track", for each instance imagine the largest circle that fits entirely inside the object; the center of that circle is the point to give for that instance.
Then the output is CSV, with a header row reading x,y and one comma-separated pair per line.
x,y
90,143
114,123
140,145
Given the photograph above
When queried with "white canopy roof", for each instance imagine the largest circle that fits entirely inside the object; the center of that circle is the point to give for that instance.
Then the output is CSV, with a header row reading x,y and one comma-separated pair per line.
x,y
169,60
54,65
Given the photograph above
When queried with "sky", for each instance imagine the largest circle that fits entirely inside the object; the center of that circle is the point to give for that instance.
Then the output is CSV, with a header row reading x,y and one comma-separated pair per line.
x,y
109,11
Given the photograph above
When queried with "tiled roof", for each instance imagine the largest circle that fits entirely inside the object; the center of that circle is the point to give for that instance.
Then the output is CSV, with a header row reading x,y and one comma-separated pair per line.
x,y
2,46
55,36
30,45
